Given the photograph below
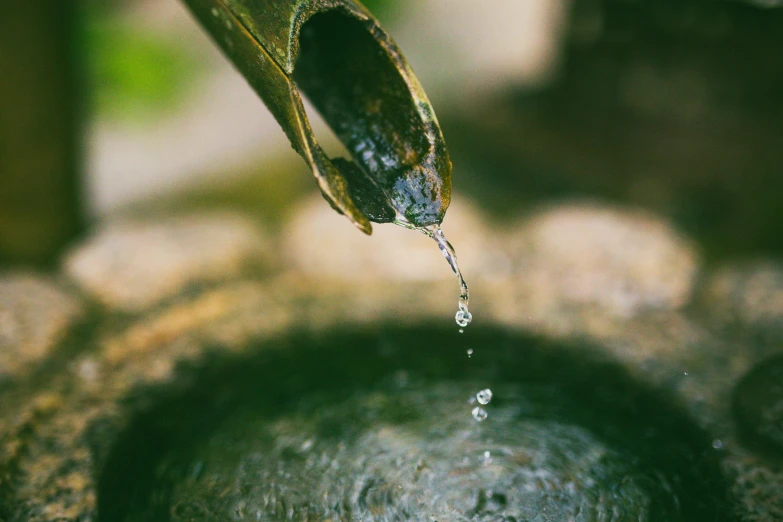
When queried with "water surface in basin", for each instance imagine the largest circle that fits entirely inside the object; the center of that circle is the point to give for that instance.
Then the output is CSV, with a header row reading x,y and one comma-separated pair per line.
x,y
377,426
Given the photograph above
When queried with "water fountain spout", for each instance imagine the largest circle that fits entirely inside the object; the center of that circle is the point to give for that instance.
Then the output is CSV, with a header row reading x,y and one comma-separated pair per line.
x,y
336,53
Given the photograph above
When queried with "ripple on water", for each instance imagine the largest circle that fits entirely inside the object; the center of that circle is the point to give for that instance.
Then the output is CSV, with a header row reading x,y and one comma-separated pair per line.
x,y
412,455
374,428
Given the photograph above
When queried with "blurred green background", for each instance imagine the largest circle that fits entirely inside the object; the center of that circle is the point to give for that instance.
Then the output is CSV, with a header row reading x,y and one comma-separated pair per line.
x,y
671,106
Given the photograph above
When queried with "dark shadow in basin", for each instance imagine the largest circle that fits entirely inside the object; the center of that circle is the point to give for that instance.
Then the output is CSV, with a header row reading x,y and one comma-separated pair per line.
x,y
230,399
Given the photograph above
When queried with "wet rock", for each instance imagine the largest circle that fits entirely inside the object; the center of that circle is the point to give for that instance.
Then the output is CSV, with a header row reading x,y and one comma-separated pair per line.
x,y
229,315
133,265
35,313
757,487
319,243
751,292
623,261
758,405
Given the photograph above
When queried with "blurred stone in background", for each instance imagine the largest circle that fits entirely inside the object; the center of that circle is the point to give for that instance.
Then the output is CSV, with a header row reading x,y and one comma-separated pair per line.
x,y
622,260
133,265
392,252
672,106
35,315
749,292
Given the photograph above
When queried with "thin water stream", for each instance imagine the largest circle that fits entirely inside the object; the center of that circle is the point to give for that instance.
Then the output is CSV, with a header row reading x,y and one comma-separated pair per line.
x,y
434,232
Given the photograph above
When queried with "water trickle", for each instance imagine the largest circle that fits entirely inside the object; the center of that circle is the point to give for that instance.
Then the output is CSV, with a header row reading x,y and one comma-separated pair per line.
x,y
434,232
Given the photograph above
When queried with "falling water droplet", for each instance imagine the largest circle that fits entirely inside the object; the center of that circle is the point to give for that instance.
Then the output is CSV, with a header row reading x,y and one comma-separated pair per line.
x,y
470,352
486,458
484,396
463,317
479,413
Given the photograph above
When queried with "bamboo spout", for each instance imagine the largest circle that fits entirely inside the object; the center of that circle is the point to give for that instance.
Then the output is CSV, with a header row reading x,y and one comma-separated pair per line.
x,y
335,53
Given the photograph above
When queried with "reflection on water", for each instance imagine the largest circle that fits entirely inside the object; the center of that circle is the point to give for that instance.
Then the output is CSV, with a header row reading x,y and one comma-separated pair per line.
x,y
373,427
412,454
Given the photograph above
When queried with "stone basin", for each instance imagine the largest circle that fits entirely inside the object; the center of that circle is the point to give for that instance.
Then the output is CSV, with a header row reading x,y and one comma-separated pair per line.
x,y
221,374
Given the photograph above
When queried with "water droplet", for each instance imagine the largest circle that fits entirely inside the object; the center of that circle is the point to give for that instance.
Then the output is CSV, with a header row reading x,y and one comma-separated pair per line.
x,y
486,458
484,396
470,352
461,330
215,12
463,318
479,413
717,444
